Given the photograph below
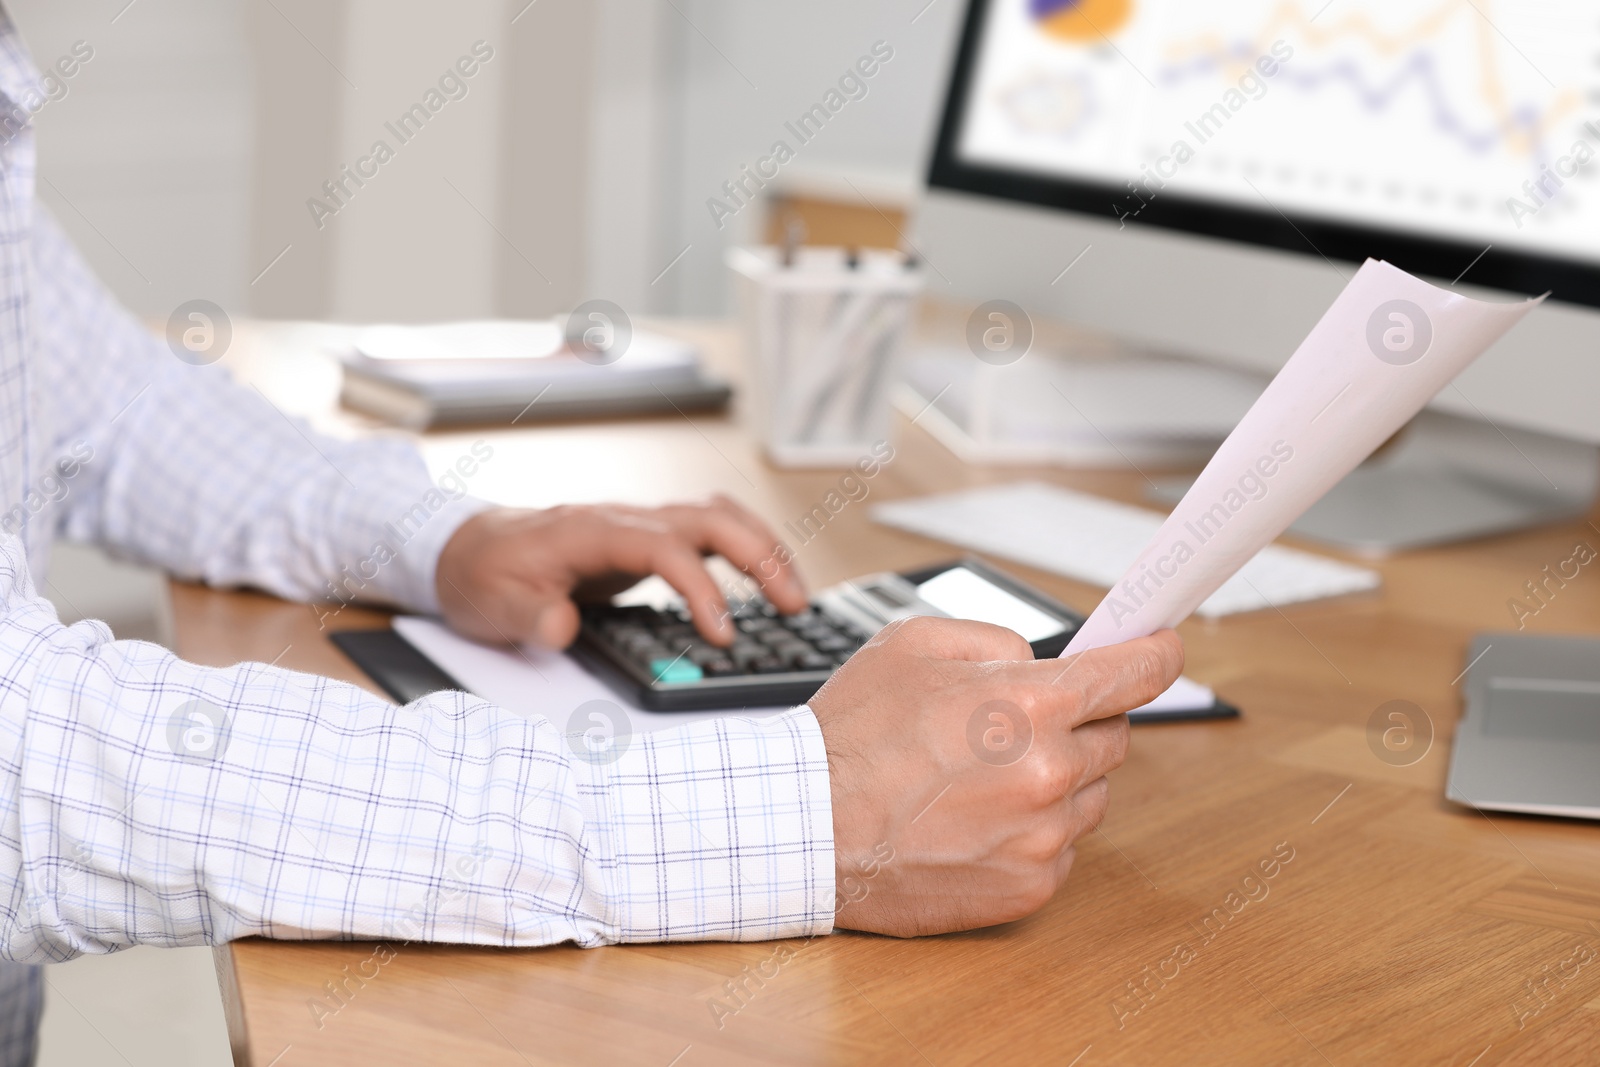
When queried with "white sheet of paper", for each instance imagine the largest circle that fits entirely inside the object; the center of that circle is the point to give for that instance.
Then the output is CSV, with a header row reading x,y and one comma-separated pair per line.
x,y
535,682
1385,347
552,684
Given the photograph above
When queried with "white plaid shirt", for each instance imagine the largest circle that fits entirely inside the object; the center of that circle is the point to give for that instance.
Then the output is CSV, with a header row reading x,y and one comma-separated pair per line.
x,y
295,806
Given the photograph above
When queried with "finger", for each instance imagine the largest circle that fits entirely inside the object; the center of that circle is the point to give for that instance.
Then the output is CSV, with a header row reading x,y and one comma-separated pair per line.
x,y
1085,809
555,624
1064,762
960,639
1083,812
645,551
515,611
1098,748
1105,682
785,588
1132,677
1064,863
739,537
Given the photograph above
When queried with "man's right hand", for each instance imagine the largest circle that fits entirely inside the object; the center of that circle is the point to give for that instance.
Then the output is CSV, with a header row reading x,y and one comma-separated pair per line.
x,y
963,770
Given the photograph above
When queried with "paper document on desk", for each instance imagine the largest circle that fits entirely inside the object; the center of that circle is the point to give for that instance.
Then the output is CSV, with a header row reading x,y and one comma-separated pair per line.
x,y
1379,354
538,682
541,682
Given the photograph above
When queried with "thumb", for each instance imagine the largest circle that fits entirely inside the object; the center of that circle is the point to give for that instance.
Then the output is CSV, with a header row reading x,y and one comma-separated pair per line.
x,y
555,624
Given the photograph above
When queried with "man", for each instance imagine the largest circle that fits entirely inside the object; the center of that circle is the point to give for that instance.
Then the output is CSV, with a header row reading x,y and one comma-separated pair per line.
x,y
144,800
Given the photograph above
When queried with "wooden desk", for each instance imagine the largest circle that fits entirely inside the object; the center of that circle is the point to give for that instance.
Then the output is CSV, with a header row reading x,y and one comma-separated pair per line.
x,y
1404,929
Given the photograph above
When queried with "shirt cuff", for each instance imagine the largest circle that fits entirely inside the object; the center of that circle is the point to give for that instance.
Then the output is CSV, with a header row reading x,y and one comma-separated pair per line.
x,y
717,831
419,587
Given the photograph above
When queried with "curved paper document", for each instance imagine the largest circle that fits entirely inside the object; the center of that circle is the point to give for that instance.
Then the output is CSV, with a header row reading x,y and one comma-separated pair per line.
x,y
1385,347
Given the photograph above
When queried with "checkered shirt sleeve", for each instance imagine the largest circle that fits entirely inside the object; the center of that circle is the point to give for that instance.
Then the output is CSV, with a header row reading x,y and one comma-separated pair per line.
x,y
151,801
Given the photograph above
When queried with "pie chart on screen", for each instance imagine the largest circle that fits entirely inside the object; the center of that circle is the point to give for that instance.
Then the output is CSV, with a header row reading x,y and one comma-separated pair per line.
x,y
1080,21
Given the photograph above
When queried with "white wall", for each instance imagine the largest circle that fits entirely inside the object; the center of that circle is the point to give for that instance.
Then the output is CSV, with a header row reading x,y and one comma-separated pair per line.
x,y
183,156
633,151
146,161
421,234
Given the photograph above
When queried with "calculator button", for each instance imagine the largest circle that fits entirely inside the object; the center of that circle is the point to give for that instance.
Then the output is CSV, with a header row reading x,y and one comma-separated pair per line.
x,y
672,671
703,654
745,656
634,640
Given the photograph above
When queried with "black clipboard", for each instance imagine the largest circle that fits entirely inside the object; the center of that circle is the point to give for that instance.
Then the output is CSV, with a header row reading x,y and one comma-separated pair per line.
x,y
394,663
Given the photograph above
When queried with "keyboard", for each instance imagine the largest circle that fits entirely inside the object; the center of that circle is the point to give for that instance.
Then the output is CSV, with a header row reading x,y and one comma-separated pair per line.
x,y
1095,540
659,658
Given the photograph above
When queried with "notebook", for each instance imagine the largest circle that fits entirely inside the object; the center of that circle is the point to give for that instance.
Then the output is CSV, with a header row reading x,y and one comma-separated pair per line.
x,y
484,371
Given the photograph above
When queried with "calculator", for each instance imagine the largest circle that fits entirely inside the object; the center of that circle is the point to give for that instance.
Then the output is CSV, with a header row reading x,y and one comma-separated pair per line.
x,y
652,655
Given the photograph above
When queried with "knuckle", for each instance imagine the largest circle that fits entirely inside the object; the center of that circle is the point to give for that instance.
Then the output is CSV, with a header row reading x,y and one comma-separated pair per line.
x,y
918,630
1121,736
1015,646
1069,702
1037,890
1026,699
999,643
1069,855
1048,780
1162,660
1059,838
1041,845
1138,676
1092,802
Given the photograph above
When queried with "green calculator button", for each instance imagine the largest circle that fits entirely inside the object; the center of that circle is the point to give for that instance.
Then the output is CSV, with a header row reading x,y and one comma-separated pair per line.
x,y
672,671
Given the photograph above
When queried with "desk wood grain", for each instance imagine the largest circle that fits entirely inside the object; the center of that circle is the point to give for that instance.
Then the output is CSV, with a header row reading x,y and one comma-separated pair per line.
x,y
1395,927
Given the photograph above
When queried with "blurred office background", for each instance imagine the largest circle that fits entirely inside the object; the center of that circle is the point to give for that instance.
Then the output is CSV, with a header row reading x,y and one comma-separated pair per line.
x,y
577,165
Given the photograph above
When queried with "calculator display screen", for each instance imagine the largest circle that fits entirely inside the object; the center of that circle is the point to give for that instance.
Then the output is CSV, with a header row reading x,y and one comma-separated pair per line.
x,y
964,594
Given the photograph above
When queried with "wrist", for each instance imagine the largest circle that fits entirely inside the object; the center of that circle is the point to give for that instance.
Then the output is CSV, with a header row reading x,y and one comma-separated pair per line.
x,y
454,536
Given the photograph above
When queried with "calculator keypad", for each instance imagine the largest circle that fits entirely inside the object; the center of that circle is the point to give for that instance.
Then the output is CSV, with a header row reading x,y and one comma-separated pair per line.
x,y
664,645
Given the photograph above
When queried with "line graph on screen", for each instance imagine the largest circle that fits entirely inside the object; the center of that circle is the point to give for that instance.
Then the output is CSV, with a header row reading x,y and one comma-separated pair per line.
x,y
1473,107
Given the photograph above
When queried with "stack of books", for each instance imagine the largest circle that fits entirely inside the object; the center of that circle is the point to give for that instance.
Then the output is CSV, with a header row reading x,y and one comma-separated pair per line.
x,y
516,371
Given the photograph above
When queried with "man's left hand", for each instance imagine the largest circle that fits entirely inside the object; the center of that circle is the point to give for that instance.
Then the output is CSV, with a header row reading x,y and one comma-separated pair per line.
x,y
512,575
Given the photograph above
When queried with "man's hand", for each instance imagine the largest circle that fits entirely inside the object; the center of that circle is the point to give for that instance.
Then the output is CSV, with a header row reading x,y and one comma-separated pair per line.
x,y
963,770
509,575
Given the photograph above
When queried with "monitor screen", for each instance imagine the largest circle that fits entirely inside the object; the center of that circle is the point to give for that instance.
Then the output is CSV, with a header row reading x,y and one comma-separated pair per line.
x,y
1438,134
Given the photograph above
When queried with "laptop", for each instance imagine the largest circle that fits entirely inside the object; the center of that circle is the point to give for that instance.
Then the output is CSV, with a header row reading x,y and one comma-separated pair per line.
x,y
1530,739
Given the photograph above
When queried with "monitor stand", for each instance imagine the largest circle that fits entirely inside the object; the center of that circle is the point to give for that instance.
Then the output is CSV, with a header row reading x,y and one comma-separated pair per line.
x,y
1445,479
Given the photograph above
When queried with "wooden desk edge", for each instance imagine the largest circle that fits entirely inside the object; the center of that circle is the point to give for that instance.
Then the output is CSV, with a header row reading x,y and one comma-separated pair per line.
x,y
232,1004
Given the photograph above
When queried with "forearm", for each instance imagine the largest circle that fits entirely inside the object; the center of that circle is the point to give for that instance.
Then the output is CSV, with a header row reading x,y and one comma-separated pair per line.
x,y
179,466
310,809
209,481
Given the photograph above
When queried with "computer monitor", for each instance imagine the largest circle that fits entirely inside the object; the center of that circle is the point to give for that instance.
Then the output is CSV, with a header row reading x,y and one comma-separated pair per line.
x,y
1201,178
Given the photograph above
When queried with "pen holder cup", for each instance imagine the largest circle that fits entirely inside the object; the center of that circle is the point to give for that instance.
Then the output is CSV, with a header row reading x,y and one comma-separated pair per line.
x,y
823,336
